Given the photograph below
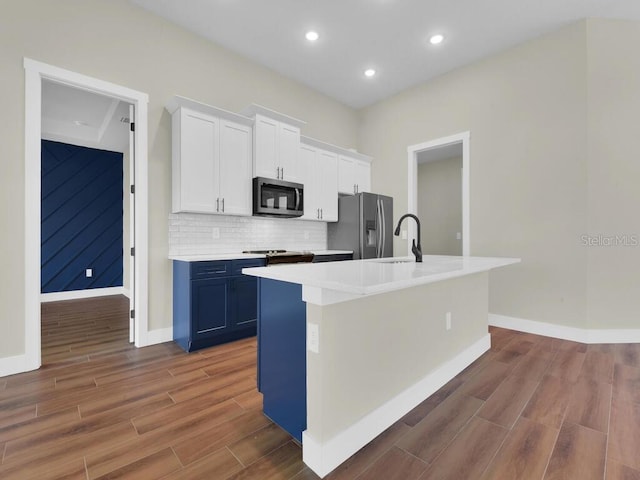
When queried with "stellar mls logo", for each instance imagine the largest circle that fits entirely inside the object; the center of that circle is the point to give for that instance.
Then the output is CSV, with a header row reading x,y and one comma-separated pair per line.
x,y
625,240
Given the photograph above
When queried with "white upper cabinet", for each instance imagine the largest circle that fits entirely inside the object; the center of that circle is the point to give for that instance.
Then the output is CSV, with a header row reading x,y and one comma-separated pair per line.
x,y
320,167
328,178
212,152
276,144
363,175
354,173
236,155
195,161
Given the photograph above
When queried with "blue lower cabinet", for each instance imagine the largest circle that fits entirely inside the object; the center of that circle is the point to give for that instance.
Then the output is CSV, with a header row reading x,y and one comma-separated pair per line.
x,y
213,302
245,299
210,310
282,360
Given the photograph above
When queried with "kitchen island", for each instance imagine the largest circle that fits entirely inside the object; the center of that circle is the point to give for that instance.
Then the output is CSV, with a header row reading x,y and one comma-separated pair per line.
x,y
346,349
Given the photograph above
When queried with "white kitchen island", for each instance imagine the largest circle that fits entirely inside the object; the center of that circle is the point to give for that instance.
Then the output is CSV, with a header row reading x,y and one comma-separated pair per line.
x,y
348,348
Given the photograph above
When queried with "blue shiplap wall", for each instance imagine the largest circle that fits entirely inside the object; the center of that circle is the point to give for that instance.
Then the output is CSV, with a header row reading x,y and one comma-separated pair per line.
x,y
81,217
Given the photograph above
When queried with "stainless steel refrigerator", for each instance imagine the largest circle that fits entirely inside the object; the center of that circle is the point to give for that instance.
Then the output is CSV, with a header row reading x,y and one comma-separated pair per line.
x,y
365,225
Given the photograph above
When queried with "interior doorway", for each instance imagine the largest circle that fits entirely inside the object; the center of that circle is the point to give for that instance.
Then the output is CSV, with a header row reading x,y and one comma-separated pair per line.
x,y
442,157
439,204
35,74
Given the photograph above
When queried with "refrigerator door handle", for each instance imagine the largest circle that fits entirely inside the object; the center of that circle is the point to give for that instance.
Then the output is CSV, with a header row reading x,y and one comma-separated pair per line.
x,y
379,239
383,234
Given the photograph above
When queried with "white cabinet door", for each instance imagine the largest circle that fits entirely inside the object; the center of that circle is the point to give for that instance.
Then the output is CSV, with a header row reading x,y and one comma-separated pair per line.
x,y
235,168
346,174
288,152
363,176
195,162
309,179
328,178
354,175
266,136
277,149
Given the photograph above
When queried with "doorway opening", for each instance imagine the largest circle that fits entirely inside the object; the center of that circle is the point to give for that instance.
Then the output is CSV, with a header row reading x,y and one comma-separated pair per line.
x,y
441,157
37,75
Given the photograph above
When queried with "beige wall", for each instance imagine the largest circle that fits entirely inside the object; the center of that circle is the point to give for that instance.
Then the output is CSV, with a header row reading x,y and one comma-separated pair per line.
x,y
379,340
440,206
526,111
553,125
120,43
614,173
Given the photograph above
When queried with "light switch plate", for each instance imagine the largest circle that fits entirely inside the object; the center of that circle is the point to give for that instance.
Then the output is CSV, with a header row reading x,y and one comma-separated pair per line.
x,y
88,272
313,338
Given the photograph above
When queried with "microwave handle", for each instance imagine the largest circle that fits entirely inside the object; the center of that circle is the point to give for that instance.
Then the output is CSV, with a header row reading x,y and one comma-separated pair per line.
x,y
297,199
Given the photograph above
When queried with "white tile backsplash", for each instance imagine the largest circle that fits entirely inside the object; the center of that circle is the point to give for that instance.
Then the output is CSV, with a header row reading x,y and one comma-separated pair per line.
x,y
194,234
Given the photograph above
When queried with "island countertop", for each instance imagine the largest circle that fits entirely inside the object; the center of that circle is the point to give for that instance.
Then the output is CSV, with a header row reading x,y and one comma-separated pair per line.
x,y
379,275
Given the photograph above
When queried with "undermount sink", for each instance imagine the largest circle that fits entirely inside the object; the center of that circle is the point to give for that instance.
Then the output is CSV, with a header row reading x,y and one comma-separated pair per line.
x,y
394,260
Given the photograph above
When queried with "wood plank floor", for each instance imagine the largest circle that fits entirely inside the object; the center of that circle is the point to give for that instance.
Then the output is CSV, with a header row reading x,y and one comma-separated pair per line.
x,y
531,408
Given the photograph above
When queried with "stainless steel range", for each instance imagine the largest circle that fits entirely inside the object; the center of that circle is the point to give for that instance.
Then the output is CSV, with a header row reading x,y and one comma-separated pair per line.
x,y
275,257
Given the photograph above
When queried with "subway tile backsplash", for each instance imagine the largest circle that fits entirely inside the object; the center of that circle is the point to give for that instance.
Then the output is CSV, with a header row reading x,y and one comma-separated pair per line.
x,y
194,234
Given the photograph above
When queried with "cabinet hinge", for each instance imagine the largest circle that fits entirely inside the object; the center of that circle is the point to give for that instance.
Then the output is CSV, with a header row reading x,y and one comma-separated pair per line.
x,y
133,189
133,251
132,126
133,314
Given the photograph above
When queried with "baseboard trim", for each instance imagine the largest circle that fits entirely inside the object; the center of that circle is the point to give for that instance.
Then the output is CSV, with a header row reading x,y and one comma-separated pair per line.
x,y
16,364
322,458
582,335
79,294
161,335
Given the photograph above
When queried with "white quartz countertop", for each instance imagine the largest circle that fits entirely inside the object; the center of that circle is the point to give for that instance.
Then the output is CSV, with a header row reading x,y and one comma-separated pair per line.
x,y
214,256
242,256
379,275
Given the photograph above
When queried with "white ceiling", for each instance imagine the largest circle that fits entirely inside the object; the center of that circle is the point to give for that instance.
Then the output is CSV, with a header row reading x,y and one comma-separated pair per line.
x,y
390,36
79,117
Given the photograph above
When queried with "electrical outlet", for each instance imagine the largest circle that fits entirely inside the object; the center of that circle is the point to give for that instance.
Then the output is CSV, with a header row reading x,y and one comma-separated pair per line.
x,y
404,234
448,320
306,234
215,233
88,272
313,338
458,236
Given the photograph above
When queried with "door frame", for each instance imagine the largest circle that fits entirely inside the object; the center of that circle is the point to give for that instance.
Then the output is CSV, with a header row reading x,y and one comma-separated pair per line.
x,y
412,186
35,72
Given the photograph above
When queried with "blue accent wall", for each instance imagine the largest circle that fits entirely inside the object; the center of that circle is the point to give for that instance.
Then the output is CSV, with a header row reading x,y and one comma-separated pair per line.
x,y
81,217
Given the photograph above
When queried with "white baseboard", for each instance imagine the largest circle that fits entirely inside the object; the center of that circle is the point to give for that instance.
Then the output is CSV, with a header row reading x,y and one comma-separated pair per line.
x,y
322,458
16,364
78,294
160,335
582,335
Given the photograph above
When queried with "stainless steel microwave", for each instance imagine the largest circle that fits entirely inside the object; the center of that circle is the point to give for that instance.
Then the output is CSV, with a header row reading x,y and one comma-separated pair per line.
x,y
277,198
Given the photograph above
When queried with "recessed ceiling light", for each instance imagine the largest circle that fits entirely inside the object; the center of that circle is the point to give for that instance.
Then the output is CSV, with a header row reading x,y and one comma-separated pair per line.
x,y
80,123
312,36
436,39
369,72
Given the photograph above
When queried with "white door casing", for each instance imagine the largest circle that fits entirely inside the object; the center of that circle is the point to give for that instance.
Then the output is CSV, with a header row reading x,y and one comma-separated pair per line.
x,y
35,73
412,186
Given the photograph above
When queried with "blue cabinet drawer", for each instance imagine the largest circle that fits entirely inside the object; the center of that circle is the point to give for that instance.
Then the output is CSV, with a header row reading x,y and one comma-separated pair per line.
x,y
238,265
218,268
